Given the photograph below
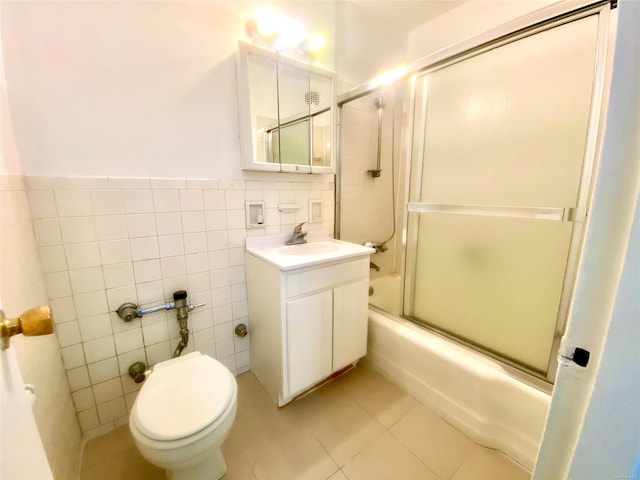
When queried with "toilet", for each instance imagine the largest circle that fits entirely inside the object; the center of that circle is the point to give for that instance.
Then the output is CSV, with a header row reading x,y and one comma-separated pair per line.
x,y
183,413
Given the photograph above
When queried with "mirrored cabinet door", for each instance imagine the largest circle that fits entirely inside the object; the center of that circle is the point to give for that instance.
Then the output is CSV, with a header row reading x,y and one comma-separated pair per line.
x,y
287,111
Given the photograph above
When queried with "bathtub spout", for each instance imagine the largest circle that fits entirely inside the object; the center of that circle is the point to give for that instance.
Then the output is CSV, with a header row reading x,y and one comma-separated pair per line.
x,y
374,266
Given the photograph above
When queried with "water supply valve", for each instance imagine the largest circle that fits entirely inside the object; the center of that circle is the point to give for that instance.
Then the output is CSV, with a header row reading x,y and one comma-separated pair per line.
x,y
130,311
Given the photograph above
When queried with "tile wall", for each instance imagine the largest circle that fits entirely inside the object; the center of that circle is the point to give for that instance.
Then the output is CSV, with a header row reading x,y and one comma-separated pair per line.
x,y
22,287
367,213
106,241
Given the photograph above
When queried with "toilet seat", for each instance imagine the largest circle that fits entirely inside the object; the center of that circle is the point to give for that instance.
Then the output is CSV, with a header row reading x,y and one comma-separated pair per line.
x,y
182,397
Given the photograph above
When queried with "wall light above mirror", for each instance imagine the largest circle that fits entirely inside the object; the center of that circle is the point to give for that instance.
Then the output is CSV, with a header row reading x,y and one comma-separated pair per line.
x,y
287,111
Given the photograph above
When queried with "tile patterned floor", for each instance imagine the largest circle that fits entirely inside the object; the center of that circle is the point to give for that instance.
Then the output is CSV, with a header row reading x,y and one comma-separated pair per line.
x,y
359,427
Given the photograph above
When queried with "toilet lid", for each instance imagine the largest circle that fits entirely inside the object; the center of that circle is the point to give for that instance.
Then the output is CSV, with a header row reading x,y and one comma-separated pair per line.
x,y
182,399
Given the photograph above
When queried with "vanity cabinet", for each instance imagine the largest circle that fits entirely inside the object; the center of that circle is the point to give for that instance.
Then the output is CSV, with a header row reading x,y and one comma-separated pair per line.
x,y
306,323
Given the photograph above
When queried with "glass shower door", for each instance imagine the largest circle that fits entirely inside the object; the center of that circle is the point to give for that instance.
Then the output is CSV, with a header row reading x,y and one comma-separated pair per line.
x,y
499,147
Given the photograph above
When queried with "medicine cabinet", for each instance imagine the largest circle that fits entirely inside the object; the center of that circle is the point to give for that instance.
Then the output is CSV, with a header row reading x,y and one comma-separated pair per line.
x,y
287,110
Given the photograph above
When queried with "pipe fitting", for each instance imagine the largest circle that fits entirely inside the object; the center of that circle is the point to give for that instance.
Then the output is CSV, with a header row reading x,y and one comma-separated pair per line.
x,y
241,330
138,371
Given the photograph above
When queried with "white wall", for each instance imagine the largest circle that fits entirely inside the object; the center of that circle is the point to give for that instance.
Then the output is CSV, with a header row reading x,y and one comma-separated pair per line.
x,y
123,88
465,21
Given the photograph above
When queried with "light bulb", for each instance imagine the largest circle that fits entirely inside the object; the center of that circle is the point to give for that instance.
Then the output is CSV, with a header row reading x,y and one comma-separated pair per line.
x,y
316,43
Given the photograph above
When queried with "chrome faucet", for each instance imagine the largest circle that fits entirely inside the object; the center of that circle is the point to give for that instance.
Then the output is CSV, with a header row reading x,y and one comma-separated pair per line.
x,y
298,236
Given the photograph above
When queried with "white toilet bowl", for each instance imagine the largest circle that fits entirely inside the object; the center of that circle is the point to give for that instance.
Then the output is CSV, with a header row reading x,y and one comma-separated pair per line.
x,y
183,413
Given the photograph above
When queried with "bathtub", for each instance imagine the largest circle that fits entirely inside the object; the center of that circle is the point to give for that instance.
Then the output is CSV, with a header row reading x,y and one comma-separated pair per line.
x,y
476,394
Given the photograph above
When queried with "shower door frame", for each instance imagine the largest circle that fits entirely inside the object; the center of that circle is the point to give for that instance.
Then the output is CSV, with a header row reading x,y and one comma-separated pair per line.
x,y
530,24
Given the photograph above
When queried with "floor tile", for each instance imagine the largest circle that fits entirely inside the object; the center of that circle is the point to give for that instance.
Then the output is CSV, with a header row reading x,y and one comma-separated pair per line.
x,y
382,399
338,476
128,465
104,448
292,455
440,446
488,464
387,459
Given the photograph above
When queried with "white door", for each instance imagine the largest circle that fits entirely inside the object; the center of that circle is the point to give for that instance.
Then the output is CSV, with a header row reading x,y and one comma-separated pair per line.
x,y
22,455
350,320
309,339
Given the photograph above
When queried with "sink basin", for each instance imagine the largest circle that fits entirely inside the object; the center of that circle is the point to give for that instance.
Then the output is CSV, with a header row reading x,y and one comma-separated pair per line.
x,y
315,248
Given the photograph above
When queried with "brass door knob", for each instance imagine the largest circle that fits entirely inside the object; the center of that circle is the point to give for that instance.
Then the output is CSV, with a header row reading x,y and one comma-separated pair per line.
x,y
35,321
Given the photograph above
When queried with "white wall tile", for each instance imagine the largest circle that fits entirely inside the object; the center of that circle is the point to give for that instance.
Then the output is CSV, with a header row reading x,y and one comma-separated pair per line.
x,y
155,333
201,183
138,201
214,200
141,225
127,359
47,232
217,240
82,255
130,340
222,314
224,349
96,326
220,296
103,370
52,259
90,304
106,391
63,310
158,353
191,200
58,284
210,351
173,266
88,419
237,274
238,292
78,378
86,280
198,282
218,259
236,256
237,237
170,285
150,292
109,411
231,184
83,399
73,356
99,349
216,219
169,223
223,332
114,251
147,270
111,227
220,277
234,199
235,219
195,242
68,333
42,204
144,248
118,274
201,318
128,183
193,222
107,202
197,262
243,361
73,203
119,295
239,309
164,183
166,201
171,245
78,229
203,338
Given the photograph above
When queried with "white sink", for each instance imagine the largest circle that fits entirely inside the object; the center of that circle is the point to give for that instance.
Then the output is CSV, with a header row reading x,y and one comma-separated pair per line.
x,y
319,249
314,248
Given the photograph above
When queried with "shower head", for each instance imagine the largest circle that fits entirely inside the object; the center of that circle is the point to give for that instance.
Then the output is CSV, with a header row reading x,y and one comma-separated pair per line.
x,y
379,103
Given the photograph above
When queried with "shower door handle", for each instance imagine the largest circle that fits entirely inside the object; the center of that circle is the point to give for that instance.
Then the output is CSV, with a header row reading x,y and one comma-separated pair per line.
x,y
570,214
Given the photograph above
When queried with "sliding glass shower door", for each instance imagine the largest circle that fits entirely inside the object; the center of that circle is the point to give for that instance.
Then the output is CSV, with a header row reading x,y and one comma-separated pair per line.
x,y
498,179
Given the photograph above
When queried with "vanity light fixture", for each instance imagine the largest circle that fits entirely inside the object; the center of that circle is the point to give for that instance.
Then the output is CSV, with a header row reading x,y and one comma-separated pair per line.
x,y
272,30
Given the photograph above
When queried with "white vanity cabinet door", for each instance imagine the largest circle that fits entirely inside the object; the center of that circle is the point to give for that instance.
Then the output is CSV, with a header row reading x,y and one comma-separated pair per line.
x,y
309,341
350,321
